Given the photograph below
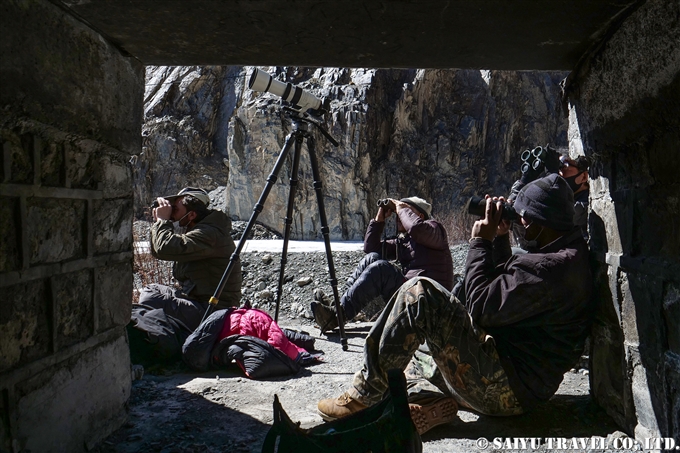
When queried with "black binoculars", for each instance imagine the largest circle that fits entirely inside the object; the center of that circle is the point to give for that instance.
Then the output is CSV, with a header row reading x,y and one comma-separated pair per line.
x,y
539,158
533,159
387,204
477,206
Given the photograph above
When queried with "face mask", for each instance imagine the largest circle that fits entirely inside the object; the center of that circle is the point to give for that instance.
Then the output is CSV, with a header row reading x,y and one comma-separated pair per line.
x,y
572,182
179,229
531,244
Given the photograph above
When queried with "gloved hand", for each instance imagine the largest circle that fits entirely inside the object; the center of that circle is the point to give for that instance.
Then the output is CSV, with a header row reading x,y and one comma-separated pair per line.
x,y
552,160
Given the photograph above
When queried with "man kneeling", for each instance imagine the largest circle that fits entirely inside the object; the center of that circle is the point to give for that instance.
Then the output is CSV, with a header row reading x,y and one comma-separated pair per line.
x,y
522,326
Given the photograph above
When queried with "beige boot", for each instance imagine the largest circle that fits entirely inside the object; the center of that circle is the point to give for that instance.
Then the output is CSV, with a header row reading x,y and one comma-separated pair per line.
x,y
342,406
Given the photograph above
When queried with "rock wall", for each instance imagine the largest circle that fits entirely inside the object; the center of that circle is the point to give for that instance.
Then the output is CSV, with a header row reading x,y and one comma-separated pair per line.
x,y
624,101
69,124
441,134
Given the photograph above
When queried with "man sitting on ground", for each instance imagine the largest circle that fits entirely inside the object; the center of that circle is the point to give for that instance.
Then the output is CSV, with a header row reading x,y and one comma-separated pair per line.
x,y
200,256
574,171
507,346
422,249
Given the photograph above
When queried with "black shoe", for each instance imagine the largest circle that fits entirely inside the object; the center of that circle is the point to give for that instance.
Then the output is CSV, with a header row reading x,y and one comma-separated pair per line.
x,y
324,316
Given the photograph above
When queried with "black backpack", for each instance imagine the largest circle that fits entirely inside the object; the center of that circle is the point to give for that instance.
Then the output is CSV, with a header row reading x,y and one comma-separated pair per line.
x,y
154,337
383,428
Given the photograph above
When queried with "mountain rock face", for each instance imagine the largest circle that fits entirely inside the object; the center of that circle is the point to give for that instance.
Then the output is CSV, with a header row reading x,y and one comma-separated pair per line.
x,y
443,135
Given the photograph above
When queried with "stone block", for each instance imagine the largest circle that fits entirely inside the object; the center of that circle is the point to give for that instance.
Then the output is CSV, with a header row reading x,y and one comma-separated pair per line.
x,y
608,383
112,225
672,369
10,246
52,170
19,148
81,164
114,295
72,295
75,404
609,240
114,175
671,315
641,312
24,324
624,211
96,92
655,206
628,314
649,398
55,229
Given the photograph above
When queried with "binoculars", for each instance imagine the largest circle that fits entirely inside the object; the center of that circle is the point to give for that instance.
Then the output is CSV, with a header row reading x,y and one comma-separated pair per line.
x,y
387,204
477,206
534,159
539,158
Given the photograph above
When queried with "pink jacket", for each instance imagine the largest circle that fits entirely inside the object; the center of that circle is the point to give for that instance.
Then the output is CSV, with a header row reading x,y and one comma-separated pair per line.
x,y
256,323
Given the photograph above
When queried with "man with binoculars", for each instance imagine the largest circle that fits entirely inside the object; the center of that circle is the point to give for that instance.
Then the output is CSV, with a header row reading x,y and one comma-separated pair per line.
x,y
200,256
505,346
421,249
575,171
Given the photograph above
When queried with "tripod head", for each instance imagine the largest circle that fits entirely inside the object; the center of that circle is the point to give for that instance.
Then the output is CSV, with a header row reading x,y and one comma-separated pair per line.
x,y
300,117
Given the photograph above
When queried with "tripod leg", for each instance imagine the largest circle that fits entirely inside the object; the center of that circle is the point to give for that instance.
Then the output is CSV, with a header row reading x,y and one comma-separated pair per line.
x,y
288,220
271,179
318,185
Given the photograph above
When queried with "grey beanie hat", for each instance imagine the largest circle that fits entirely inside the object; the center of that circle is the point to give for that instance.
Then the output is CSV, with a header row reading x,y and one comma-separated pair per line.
x,y
421,205
549,201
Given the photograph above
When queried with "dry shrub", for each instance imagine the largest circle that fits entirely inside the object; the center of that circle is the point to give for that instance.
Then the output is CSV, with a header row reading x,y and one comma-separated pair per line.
x,y
147,269
458,225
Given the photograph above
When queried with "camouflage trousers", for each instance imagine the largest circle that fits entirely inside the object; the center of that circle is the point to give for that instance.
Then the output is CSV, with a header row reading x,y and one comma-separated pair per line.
x,y
463,360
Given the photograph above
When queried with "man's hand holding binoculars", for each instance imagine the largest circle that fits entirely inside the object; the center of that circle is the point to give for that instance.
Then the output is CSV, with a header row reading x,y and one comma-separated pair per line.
x,y
386,207
163,211
492,224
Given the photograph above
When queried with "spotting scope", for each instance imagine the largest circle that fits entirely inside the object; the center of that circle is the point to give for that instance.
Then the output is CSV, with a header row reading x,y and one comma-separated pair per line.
x,y
301,99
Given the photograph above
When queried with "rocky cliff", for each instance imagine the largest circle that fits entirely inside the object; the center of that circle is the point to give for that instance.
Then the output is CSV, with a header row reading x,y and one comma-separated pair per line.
x,y
441,134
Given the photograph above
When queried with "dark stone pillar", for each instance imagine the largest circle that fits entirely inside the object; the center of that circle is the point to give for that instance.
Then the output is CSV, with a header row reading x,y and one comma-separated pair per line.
x,y
70,119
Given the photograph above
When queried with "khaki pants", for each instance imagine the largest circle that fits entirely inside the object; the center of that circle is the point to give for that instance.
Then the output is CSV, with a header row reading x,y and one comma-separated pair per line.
x,y
424,311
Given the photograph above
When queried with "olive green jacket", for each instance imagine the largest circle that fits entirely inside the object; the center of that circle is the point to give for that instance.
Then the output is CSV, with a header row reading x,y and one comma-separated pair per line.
x,y
201,256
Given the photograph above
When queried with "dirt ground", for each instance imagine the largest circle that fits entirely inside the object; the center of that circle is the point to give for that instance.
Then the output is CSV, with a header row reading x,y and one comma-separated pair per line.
x,y
176,410
222,411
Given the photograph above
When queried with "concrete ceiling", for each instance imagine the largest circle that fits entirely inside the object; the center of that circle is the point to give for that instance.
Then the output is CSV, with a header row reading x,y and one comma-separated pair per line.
x,y
486,34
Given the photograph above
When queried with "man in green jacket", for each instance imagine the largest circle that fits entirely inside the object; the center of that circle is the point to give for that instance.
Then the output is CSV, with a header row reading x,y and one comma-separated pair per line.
x,y
200,255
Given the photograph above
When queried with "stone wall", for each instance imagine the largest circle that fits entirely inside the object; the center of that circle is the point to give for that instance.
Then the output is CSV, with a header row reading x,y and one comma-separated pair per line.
x,y
70,119
624,104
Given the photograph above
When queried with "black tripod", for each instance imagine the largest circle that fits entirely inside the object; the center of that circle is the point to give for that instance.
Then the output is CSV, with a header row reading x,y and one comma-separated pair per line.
x,y
300,131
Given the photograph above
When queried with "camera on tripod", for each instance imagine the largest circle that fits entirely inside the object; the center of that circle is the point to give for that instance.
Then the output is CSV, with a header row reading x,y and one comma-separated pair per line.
x,y
477,206
387,204
300,99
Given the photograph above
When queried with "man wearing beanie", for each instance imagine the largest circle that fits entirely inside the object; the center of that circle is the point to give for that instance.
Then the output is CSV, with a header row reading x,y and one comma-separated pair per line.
x,y
505,348
421,249
575,172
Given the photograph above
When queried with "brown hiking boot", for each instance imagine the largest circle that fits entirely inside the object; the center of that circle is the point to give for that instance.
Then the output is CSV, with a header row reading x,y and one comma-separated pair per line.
x,y
342,406
427,414
324,316
320,296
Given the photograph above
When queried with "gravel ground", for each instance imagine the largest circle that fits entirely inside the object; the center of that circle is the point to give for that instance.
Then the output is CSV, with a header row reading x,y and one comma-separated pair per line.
x,y
175,410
